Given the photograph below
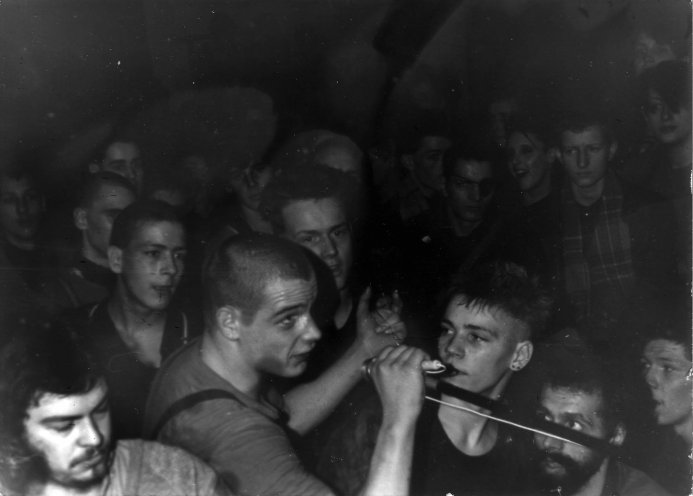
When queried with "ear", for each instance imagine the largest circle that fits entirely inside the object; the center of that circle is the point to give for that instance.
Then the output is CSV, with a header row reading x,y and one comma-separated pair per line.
x,y
79,216
408,161
613,148
522,356
619,435
115,259
228,322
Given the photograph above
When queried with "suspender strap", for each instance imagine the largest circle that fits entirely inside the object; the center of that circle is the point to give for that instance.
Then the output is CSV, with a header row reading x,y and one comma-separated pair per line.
x,y
188,402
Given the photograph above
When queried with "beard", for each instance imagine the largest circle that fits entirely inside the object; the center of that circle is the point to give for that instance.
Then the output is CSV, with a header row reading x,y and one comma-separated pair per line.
x,y
574,475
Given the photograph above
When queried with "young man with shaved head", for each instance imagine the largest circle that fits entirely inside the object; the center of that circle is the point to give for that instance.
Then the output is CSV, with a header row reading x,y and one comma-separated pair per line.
x,y
135,329
89,279
215,397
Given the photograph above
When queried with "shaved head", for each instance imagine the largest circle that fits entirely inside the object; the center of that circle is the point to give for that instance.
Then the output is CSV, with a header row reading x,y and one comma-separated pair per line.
x,y
239,271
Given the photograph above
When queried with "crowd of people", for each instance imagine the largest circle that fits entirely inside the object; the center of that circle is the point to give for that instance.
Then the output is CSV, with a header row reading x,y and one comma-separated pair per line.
x,y
482,307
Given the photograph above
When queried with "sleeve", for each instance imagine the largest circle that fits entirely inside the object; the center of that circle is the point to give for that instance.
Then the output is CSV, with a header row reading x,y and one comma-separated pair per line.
x,y
250,452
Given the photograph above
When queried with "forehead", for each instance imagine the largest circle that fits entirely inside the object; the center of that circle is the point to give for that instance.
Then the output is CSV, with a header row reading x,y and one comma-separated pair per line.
x,y
518,138
561,400
461,313
121,150
112,196
591,134
310,215
15,185
164,233
77,405
281,292
472,169
665,349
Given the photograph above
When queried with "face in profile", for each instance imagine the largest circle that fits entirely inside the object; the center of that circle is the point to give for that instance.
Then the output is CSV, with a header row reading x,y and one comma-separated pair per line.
x,y
483,345
669,126
469,189
666,368
151,266
427,161
21,207
96,220
564,464
279,338
585,155
124,159
70,436
322,227
529,161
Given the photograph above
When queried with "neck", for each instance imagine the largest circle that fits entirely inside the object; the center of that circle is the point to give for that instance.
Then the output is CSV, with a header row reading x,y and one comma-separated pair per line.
x,y
344,309
54,489
129,314
679,154
685,431
595,485
221,355
588,195
92,255
255,220
538,193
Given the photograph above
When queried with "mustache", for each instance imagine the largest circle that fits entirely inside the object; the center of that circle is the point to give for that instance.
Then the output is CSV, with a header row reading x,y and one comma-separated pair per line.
x,y
568,463
89,455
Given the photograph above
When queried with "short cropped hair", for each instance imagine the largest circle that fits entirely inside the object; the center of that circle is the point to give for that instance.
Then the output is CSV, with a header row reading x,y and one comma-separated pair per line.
x,y
504,286
94,182
578,118
666,320
306,183
135,215
237,273
672,80
578,369
470,150
39,360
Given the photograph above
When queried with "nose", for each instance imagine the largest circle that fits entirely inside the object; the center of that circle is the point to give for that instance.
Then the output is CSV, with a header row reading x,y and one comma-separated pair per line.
x,y
474,193
583,159
651,378
455,345
169,264
312,333
549,444
90,434
329,247
22,205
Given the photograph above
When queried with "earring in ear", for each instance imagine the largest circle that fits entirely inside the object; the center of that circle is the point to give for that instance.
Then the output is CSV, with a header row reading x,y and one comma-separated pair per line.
x,y
514,367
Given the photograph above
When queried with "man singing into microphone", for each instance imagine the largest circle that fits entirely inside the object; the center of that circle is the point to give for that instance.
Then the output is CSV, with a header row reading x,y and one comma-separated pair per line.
x,y
491,315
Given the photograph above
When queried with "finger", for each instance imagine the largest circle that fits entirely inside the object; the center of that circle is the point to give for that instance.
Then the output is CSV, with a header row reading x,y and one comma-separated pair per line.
x,y
362,310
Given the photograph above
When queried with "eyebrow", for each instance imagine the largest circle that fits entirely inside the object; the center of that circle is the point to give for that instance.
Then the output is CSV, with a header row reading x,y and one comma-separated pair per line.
x,y
66,418
577,416
472,327
289,310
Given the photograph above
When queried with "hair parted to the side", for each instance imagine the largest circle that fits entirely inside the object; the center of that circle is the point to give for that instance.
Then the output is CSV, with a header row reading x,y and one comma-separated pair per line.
x,y
237,273
505,286
39,360
135,215
582,115
468,150
307,182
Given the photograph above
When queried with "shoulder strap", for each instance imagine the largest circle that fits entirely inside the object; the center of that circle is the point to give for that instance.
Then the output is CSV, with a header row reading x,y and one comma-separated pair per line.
x,y
189,401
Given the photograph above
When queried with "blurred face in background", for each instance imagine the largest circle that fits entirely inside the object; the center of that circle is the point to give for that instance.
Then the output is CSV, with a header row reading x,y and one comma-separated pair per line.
x,y
666,368
124,159
426,163
21,208
469,190
669,126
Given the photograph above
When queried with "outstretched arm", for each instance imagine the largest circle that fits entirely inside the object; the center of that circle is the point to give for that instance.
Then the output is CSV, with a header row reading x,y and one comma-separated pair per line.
x,y
308,404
